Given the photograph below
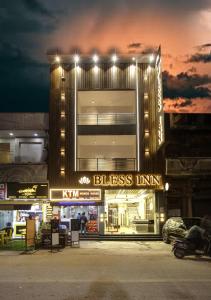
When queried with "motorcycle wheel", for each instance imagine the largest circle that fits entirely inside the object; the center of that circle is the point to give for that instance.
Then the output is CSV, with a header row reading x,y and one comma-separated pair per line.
x,y
179,253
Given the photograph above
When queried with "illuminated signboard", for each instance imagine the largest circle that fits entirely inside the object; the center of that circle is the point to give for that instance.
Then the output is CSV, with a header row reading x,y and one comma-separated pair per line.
x,y
75,195
128,180
31,191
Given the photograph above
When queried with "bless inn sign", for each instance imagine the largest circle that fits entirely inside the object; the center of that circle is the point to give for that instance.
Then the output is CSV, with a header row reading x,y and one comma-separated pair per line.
x,y
123,180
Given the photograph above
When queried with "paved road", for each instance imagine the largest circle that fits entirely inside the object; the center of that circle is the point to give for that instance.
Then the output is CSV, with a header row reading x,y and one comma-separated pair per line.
x,y
105,270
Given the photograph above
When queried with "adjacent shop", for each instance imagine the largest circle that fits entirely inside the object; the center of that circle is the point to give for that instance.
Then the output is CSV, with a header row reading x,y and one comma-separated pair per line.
x,y
20,201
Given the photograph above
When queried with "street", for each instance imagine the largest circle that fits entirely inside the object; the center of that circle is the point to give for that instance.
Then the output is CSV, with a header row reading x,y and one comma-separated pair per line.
x,y
104,270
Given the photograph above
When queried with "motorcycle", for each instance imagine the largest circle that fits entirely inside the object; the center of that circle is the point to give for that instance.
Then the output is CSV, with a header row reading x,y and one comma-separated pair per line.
x,y
185,247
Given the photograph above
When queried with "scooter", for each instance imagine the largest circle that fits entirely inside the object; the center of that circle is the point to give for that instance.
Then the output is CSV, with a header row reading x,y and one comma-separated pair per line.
x,y
184,247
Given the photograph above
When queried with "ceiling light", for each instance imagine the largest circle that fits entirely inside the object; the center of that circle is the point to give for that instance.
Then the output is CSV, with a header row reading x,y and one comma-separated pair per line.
x,y
114,58
133,58
76,58
35,134
11,134
95,58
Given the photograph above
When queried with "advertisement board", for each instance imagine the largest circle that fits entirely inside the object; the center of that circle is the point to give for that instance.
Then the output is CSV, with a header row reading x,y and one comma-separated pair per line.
x,y
33,191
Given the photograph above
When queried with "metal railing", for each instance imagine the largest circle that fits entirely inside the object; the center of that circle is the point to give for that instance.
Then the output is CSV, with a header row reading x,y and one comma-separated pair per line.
x,y
106,164
106,119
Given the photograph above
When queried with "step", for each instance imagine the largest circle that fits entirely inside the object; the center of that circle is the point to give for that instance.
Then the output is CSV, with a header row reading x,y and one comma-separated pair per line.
x,y
121,237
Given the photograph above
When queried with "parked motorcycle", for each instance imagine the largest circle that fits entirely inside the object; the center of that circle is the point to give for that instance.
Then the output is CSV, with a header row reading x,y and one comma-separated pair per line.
x,y
185,247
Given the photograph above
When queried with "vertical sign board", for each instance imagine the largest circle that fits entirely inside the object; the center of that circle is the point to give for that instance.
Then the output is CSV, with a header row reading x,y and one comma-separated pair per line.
x,y
54,233
30,232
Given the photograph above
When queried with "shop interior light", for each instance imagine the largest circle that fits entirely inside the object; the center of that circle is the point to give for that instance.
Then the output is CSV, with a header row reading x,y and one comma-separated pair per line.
x,y
95,58
76,58
114,58
35,134
11,134
151,58
57,59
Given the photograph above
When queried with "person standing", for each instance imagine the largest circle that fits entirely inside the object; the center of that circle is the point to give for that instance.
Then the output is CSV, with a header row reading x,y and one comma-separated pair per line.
x,y
83,223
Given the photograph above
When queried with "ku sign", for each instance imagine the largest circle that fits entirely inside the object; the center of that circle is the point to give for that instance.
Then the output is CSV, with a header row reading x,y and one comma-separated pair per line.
x,y
128,180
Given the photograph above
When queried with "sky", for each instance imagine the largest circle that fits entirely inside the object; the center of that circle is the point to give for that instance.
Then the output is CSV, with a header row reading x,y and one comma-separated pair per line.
x,y
30,28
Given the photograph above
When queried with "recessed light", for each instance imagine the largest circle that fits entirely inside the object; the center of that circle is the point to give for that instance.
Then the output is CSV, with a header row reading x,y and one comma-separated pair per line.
x,y
93,101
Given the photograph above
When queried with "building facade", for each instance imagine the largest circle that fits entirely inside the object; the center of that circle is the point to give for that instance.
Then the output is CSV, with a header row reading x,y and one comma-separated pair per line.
x,y
106,133
188,164
23,168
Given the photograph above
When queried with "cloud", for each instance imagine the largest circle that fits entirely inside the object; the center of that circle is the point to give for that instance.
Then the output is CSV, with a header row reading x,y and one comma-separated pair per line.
x,y
186,85
204,46
134,45
200,58
36,7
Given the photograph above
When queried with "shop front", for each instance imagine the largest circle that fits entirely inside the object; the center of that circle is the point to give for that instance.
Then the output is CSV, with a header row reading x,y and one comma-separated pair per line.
x,y
22,201
114,204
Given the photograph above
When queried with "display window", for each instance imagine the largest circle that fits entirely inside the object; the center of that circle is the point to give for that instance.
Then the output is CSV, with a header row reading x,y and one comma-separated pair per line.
x,y
130,212
76,212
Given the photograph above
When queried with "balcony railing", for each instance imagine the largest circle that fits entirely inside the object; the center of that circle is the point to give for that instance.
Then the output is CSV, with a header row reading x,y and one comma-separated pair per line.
x,y
106,164
106,119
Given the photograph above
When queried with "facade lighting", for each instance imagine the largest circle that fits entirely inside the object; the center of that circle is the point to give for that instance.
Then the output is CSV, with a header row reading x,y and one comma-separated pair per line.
x,y
62,133
76,58
62,171
62,152
95,58
114,58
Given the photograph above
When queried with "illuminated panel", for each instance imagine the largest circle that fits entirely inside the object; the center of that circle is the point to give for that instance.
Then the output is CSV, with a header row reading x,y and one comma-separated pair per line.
x,y
160,136
75,195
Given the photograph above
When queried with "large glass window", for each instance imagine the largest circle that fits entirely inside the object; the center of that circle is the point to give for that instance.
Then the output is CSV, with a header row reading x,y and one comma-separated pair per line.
x,y
130,212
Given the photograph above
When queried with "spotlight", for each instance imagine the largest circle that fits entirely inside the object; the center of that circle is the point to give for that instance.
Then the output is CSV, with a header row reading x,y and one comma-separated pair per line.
x,y
114,58
95,58
76,58
57,59
151,58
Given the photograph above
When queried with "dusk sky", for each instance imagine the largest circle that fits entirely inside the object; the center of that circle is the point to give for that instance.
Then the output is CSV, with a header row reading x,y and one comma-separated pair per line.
x,y
29,28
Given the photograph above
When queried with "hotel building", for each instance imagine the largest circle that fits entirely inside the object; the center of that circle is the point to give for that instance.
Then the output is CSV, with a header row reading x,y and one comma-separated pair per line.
x,y
105,142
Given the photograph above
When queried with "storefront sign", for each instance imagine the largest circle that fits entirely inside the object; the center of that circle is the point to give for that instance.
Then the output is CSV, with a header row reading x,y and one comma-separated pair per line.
x,y
128,180
76,195
27,191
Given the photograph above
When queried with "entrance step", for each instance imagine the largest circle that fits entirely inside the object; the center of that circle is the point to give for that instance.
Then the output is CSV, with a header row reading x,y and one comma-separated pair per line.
x,y
120,237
